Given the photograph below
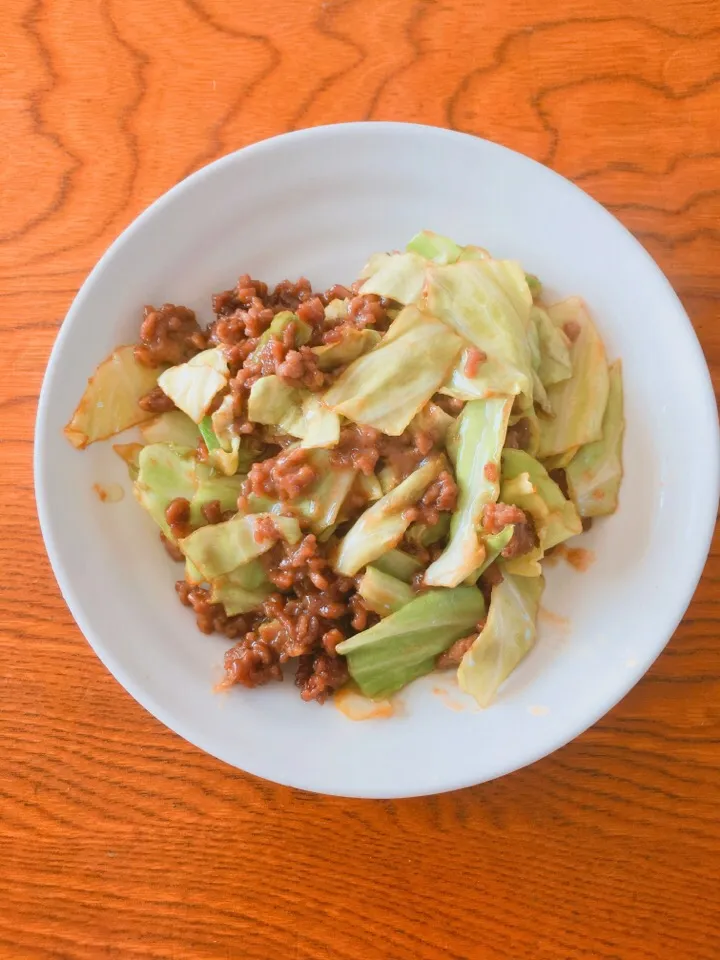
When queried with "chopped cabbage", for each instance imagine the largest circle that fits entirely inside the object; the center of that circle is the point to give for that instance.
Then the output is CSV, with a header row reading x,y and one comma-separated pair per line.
x,y
193,386
508,635
110,402
595,472
382,389
405,644
579,402
481,434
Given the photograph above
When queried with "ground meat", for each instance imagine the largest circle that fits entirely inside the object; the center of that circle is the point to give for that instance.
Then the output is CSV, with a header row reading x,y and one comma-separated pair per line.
x,y
156,402
454,654
169,335
266,529
496,516
572,330
312,312
358,447
440,497
490,471
336,292
210,617
288,295
316,612
177,514
523,540
212,511
519,434
283,477
560,478
489,579
448,404
300,367
369,310
320,675
251,663
244,294
473,360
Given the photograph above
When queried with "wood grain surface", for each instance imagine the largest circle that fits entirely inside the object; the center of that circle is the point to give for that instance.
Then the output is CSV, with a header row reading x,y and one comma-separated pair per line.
x,y
117,839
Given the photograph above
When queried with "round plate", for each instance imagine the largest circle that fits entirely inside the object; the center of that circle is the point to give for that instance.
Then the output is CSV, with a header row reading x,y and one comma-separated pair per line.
x,y
318,203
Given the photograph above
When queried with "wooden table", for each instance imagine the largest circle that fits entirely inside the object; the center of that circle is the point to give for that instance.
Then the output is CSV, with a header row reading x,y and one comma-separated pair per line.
x,y
117,839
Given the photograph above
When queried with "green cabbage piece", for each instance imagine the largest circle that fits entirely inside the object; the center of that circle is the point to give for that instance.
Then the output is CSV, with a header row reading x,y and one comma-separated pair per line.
x,y
432,421
554,364
174,427
494,546
382,389
594,474
166,471
220,548
381,526
424,535
396,563
560,460
193,386
555,517
405,644
382,593
397,276
534,284
130,454
243,589
481,434
435,247
109,404
488,303
508,635
578,403
354,344
299,412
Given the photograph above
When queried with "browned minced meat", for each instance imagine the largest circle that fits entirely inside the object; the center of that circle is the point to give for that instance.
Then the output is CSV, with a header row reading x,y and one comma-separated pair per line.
x,y
560,478
449,404
318,610
288,295
177,514
489,579
319,676
170,334
214,513
572,330
523,540
454,654
519,435
358,447
473,360
211,617
586,523
490,471
156,401
362,447
300,367
336,292
283,477
440,497
496,516
266,529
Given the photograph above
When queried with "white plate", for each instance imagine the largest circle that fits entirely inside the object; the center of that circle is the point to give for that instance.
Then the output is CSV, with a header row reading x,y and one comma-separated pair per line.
x,y
317,203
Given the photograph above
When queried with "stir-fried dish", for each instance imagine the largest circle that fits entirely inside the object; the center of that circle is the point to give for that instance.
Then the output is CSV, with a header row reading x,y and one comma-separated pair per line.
x,y
366,481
